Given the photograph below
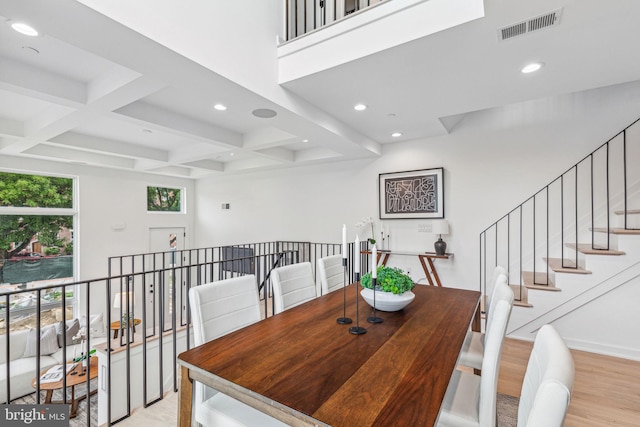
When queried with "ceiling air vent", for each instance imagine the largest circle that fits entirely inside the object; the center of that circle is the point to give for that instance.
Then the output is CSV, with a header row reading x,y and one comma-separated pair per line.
x,y
532,24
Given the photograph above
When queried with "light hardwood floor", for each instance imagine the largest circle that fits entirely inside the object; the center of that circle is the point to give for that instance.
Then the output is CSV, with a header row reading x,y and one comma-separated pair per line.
x,y
606,390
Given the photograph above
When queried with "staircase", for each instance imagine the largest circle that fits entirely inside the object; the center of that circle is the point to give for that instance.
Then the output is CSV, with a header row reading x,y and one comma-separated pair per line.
x,y
574,247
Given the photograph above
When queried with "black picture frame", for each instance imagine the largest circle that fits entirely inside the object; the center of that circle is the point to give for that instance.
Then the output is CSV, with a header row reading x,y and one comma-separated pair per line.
x,y
415,194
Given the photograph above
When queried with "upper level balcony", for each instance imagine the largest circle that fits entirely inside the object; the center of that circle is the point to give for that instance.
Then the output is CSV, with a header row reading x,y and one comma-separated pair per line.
x,y
322,34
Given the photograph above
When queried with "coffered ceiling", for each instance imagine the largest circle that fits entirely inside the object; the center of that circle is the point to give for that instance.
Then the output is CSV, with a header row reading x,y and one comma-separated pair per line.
x,y
106,96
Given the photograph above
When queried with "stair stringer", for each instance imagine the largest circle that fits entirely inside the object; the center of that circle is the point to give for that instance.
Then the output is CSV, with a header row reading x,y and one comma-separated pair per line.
x,y
629,275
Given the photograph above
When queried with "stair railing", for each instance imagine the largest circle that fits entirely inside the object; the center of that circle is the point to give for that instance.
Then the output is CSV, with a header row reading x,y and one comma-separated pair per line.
x,y
305,16
576,206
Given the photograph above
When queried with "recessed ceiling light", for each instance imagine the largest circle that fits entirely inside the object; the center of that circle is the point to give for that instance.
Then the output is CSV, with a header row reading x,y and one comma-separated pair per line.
x,y
396,134
220,107
530,68
305,140
232,154
25,29
359,107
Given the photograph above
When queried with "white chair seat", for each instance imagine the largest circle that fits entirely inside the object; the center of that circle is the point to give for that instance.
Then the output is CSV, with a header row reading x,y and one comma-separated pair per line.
x,y
470,399
459,408
222,410
472,350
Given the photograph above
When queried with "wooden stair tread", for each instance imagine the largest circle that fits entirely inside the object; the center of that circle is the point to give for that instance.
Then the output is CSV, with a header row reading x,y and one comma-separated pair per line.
x,y
586,249
523,300
564,266
615,230
527,279
629,212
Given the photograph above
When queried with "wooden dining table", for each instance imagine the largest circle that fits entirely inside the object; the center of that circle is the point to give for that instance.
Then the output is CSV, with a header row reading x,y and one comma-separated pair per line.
x,y
304,368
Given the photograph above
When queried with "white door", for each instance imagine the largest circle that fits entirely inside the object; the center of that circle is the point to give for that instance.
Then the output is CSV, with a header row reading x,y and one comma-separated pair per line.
x,y
170,240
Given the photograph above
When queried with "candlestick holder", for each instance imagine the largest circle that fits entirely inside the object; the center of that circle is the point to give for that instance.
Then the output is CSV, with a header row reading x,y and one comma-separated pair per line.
x,y
344,320
374,318
357,330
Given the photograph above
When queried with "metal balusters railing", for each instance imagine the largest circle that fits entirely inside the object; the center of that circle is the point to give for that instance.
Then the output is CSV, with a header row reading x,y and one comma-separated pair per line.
x,y
305,16
596,202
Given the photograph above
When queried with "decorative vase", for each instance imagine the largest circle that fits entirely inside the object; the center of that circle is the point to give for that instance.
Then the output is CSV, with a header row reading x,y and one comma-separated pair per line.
x,y
440,246
387,301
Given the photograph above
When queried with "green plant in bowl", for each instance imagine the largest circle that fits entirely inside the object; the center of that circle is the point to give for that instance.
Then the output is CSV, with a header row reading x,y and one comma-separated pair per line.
x,y
390,279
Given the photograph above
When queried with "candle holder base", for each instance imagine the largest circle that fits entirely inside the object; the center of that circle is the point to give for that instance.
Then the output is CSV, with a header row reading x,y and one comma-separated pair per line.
x,y
344,320
357,330
374,319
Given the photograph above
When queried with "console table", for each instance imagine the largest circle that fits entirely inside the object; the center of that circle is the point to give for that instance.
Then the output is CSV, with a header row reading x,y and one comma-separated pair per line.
x,y
428,265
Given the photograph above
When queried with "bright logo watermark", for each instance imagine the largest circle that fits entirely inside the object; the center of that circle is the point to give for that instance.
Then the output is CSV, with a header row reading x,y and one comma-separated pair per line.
x,y
34,415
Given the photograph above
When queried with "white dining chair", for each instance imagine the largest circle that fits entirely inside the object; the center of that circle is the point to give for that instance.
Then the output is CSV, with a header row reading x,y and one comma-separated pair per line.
x,y
292,285
472,351
548,382
218,308
331,272
470,399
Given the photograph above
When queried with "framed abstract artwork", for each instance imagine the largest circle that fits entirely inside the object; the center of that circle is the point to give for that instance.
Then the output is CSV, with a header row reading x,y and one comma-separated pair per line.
x,y
412,194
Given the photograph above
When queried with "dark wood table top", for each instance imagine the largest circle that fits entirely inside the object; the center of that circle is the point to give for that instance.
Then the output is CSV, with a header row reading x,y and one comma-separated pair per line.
x,y
301,363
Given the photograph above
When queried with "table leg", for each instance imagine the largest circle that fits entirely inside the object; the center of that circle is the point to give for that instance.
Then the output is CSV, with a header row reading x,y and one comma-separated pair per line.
x,y
434,271
476,326
426,269
48,396
384,260
115,333
185,398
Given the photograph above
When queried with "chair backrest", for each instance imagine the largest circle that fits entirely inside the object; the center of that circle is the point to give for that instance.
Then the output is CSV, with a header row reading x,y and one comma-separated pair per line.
x,y
548,381
497,272
292,285
221,307
494,337
331,273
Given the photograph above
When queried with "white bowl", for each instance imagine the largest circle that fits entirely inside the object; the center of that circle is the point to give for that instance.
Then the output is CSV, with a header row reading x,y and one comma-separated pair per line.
x,y
386,301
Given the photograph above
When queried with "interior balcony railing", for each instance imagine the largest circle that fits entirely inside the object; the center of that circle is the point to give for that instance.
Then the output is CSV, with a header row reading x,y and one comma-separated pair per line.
x,y
148,291
577,211
305,16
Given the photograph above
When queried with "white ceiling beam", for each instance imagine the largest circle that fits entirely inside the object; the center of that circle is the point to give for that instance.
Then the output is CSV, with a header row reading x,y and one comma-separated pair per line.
x,y
47,151
179,124
267,137
10,127
109,146
210,165
40,84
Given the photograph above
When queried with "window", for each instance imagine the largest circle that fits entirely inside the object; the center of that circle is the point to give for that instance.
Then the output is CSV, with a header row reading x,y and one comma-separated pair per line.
x,y
162,199
36,243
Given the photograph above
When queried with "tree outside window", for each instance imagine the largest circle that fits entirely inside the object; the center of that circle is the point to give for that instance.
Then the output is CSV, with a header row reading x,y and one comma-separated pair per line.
x,y
162,199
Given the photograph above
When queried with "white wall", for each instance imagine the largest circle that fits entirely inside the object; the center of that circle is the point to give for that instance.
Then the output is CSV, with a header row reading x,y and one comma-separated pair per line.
x,y
109,197
493,161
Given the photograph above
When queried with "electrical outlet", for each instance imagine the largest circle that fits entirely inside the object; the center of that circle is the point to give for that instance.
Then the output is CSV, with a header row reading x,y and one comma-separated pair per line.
x,y
424,228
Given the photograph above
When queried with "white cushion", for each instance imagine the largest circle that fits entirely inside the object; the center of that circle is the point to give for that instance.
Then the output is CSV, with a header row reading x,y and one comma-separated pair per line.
x,y
548,381
471,399
96,326
18,341
331,272
292,285
23,371
48,341
472,350
460,405
222,410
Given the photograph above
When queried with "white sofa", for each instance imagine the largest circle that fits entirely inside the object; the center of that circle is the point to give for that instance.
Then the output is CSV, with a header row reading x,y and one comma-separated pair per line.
x,y
24,369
